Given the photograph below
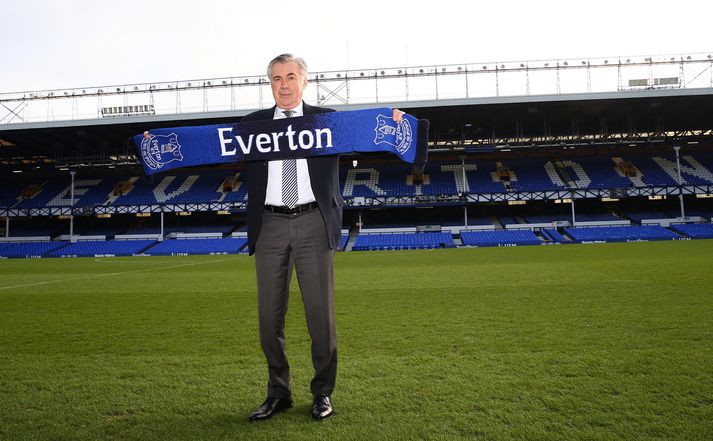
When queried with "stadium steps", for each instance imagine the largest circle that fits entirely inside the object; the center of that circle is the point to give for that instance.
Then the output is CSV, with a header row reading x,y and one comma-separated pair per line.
x,y
143,250
496,221
353,233
561,170
555,236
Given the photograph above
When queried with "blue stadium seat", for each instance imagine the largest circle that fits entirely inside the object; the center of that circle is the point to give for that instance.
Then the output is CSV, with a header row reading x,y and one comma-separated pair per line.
x,y
532,175
93,248
386,180
695,231
228,245
343,242
499,238
402,241
554,235
621,234
30,249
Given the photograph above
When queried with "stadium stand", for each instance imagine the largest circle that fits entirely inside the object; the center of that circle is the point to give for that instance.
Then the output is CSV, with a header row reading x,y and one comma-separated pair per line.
x,y
223,229
555,235
229,245
377,179
596,217
343,242
96,248
499,238
179,188
507,220
482,178
14,190
600,173
534,175
374,180
621,234
402,241
30,249
638,216
34,228
695,231
547,218
705,213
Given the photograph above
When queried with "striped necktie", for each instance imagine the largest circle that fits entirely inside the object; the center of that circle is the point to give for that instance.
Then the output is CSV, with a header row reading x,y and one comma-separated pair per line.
x,y
289,176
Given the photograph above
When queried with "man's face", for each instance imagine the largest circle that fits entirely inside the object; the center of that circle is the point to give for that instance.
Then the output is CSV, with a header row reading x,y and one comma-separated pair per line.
x,y
287,84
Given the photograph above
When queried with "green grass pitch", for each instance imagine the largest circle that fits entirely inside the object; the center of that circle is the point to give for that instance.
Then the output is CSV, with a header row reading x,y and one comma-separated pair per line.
x,y
591,342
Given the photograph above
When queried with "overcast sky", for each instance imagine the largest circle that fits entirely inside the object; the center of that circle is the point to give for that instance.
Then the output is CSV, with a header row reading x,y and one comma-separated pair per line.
x,y
49,44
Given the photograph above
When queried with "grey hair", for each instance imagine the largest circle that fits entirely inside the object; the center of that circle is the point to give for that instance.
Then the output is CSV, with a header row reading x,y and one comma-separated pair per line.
x,y
286,58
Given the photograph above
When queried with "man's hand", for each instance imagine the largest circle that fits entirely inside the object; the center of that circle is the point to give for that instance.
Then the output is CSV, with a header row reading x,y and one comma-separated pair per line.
x,y
398,116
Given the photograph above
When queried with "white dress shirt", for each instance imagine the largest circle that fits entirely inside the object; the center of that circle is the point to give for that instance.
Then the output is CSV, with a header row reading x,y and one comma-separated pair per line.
x,y
273,196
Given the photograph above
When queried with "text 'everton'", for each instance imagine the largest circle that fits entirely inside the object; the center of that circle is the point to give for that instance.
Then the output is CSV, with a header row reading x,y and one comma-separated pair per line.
x,y
271,142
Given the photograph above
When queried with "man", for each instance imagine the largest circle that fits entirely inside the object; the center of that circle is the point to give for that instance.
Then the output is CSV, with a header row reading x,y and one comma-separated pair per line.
x,y
294,220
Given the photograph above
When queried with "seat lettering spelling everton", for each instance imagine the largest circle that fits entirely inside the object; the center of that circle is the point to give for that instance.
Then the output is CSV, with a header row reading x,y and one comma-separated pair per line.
x,y
270,142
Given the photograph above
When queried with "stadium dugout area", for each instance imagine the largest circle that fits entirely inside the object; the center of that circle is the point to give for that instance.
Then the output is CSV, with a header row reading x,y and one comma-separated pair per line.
x,y
623,164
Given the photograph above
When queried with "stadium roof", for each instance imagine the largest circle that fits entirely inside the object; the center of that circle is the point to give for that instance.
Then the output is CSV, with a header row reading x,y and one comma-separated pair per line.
x,y
641,116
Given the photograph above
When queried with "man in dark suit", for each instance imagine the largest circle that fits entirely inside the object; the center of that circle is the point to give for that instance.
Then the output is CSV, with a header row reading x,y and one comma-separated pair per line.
x,y
294,221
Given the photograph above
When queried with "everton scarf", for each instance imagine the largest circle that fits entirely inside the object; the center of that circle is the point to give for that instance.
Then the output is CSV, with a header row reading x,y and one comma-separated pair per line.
x,y
333,133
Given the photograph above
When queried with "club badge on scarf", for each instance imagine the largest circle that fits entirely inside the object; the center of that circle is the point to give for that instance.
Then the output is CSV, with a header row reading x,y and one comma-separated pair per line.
x,y
362,131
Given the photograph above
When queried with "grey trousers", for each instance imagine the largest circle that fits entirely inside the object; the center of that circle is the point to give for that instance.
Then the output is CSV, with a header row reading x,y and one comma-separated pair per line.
x,y
299,242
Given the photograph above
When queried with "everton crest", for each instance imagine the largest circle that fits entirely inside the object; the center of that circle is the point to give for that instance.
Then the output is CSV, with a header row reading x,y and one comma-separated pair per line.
x,y
398,135
159,150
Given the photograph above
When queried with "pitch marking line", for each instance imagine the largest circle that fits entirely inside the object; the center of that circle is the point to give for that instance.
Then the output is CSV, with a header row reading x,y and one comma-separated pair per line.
x,y
111,274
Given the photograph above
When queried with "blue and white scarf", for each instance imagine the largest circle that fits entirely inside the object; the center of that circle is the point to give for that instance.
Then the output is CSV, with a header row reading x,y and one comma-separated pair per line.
x,y
333,133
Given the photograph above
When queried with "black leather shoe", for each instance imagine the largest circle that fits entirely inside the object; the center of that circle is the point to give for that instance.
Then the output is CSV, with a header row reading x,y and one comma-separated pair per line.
x,y
270,407
322,408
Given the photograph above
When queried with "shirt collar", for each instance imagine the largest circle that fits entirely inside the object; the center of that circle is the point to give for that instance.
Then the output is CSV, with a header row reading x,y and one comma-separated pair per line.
x,y
298,111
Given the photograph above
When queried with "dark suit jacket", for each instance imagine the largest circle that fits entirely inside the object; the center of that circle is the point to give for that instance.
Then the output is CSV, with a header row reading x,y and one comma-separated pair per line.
x,y
324,176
